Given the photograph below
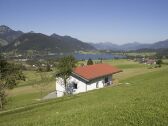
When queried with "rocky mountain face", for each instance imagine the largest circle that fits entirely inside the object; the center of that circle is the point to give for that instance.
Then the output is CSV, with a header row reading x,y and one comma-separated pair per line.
x,y
8,35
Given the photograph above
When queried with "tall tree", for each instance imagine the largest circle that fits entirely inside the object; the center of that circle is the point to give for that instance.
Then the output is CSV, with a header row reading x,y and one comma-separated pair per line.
x,y
65,67
159,62
89,62
9,74
48,68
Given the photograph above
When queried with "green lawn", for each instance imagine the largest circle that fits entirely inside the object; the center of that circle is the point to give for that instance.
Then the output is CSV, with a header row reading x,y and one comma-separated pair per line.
x,y
141,99
165,61
33,77
140,53
27,95
116,62
28,92
89,52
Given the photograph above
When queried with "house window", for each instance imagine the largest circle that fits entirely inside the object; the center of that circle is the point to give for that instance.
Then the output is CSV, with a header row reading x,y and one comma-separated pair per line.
x,y
75,85
97,85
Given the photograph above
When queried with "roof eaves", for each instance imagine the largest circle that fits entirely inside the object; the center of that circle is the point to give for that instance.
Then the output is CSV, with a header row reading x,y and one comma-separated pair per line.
x,y
104,75
80,76
95,77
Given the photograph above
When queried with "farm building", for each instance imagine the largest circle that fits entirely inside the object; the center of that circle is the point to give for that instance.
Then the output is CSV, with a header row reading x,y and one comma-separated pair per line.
x,y
86,78
151,61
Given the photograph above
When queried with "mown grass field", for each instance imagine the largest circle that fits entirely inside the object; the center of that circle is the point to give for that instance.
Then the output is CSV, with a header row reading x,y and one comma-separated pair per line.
x,y
28,92
139,99
140,54
33,77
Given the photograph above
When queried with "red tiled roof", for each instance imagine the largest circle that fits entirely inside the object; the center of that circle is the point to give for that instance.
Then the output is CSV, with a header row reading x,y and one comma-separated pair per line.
x,y
94,71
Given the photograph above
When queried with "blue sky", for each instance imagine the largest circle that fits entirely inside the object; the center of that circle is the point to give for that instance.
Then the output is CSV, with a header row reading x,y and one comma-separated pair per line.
x,y
116,21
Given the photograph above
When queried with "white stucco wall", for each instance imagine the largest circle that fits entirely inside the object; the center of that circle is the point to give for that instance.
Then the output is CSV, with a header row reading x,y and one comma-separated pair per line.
x,y
60,88
81,86
100,82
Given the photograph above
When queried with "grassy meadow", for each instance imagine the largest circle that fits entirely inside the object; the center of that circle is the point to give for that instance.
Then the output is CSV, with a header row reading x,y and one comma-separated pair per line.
x,y
140,54
138,97
29,91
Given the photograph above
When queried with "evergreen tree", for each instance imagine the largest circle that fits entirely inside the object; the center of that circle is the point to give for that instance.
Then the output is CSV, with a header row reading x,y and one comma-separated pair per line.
x,y
89,62
48,68
159,62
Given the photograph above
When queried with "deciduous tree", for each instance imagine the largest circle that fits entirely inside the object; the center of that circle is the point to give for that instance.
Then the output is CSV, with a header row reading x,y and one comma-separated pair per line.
x,y
65,67
159,62
9,75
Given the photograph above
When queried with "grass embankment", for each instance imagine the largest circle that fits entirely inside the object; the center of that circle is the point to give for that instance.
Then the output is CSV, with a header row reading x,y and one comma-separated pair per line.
x,y
142,101
28,92
34,77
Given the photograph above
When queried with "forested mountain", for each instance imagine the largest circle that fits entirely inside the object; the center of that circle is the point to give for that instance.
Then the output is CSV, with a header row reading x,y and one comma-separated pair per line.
x,y
19,41
41,42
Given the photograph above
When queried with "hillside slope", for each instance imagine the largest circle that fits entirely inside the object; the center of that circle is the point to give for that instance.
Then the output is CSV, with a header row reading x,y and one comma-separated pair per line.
x,y
160,44
142,102
3,42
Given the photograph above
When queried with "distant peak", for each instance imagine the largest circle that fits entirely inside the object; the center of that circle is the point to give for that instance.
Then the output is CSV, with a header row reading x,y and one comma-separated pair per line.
x,y
166,40
31,32
4,28
54,34
67,36
136,42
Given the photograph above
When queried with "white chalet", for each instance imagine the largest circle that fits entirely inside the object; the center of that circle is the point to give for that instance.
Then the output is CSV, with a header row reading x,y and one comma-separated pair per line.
x,y
86,78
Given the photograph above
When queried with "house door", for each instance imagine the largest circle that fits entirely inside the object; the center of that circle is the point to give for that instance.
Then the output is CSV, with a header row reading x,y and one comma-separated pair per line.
x,y
106,80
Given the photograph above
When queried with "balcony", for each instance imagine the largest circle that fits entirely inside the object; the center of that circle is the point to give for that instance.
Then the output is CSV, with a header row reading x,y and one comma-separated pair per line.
x,y
108,83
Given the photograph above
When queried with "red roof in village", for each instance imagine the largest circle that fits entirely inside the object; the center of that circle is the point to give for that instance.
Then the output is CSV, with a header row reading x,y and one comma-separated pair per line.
x,y
90,72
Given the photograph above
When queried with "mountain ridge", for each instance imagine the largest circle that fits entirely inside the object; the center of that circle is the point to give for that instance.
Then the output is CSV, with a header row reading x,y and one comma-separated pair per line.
x,y
130,46
9,38
41,42
20,41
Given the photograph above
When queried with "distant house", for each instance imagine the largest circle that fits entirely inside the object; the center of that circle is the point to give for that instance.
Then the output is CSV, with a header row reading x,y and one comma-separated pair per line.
x,y
150,61
86,78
